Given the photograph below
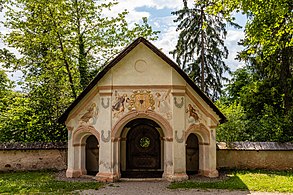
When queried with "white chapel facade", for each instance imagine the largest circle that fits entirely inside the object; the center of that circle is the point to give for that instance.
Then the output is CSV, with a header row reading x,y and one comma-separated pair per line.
x,y
142,117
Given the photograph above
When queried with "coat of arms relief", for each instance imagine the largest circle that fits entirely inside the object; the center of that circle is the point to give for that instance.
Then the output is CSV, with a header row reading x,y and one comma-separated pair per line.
x,y
141,101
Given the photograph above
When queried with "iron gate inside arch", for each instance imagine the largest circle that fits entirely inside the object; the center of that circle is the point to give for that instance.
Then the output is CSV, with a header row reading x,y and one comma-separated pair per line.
x,y
143,149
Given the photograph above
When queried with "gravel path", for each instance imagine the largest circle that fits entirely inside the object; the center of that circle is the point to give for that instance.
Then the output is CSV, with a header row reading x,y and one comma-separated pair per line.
x,y
160,187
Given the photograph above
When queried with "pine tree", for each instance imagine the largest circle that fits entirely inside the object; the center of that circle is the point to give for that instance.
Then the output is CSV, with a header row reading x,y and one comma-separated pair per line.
x,y
200,49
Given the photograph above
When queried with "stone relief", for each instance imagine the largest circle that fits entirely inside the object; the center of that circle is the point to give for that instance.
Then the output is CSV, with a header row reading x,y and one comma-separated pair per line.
x,y
141,101
119,104
90,116
105,139
179,140
179,105
105,105
193,116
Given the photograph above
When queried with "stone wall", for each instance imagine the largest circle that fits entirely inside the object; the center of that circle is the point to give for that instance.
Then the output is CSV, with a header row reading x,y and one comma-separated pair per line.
x,y
36,156
255,155
238,155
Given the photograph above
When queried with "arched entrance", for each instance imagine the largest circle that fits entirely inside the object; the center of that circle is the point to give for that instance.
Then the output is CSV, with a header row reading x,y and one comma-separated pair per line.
x,y
192,154
143,156
92,155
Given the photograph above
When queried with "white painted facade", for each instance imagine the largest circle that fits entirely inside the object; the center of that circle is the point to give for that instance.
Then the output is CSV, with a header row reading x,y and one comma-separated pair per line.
x,y
140,84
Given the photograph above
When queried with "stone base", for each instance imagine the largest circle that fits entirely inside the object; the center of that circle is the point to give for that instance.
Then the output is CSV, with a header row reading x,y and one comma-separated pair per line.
x,y
176,177
209,173
106,177
75,173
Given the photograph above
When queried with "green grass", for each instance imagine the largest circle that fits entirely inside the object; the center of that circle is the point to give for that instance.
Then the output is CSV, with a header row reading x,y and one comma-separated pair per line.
x,y
256,180
39,182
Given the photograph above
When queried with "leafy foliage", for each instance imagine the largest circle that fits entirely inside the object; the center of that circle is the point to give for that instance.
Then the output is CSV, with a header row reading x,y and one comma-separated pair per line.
x,y
62,45
265,88
254,110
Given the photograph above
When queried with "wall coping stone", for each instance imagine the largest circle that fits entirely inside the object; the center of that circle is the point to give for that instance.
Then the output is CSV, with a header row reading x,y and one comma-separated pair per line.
x,y
255,146
33,146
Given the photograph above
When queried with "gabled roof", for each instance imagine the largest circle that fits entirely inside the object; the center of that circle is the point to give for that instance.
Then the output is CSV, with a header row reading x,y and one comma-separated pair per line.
x,y
64,116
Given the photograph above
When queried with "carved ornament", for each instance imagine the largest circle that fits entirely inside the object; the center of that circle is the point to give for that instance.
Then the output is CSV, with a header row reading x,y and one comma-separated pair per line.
x,y
179,140
141,101
179,105
105,139
107,104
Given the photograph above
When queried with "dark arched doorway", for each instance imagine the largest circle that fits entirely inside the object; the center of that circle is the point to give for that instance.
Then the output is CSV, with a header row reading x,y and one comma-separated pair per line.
x,y
143,149
192,154
92,155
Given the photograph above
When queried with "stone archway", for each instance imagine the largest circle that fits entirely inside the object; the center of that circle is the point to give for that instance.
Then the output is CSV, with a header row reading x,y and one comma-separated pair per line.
x,y
77,150
192,154
207,150
92,155
142,149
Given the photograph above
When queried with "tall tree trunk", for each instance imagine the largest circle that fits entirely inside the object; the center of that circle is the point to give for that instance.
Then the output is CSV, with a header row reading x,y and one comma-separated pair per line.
x,y
82,63
286,77
64,58
202,84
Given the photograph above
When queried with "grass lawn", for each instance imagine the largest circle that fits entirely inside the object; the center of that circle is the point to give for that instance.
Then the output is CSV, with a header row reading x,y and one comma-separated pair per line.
x,y
39,182
256,180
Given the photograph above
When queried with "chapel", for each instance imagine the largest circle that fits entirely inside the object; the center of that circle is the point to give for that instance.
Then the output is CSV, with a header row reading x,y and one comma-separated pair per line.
x,y
142,116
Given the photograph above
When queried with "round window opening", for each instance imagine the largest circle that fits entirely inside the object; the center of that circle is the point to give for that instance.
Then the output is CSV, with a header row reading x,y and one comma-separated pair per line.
x,y
145,142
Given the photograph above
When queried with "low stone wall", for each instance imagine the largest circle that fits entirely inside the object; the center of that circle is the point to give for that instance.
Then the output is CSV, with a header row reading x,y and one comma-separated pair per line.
x,y
35,156
255,155
237,155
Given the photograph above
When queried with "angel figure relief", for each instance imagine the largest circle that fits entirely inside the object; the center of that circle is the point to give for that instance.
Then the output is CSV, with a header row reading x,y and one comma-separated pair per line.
x,y
193,114
90,116
163,103
119,104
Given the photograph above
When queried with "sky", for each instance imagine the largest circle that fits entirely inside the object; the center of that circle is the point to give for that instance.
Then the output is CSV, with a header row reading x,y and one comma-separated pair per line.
x,y
160,18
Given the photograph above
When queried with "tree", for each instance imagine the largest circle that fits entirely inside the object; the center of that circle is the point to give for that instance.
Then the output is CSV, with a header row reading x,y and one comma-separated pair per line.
x,y
268,98
200,49
254,110
268,39
62,45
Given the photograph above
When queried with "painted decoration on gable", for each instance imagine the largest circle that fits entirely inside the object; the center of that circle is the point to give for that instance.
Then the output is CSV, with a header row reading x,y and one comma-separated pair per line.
x,y
90,116
105,139
193,116
119,104
141,101
126,100
163,103
103,103
177,104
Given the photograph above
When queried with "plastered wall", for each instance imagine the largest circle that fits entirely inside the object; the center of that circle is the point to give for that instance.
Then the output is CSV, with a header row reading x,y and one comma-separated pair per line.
x,y
36,159
253,159
56,159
